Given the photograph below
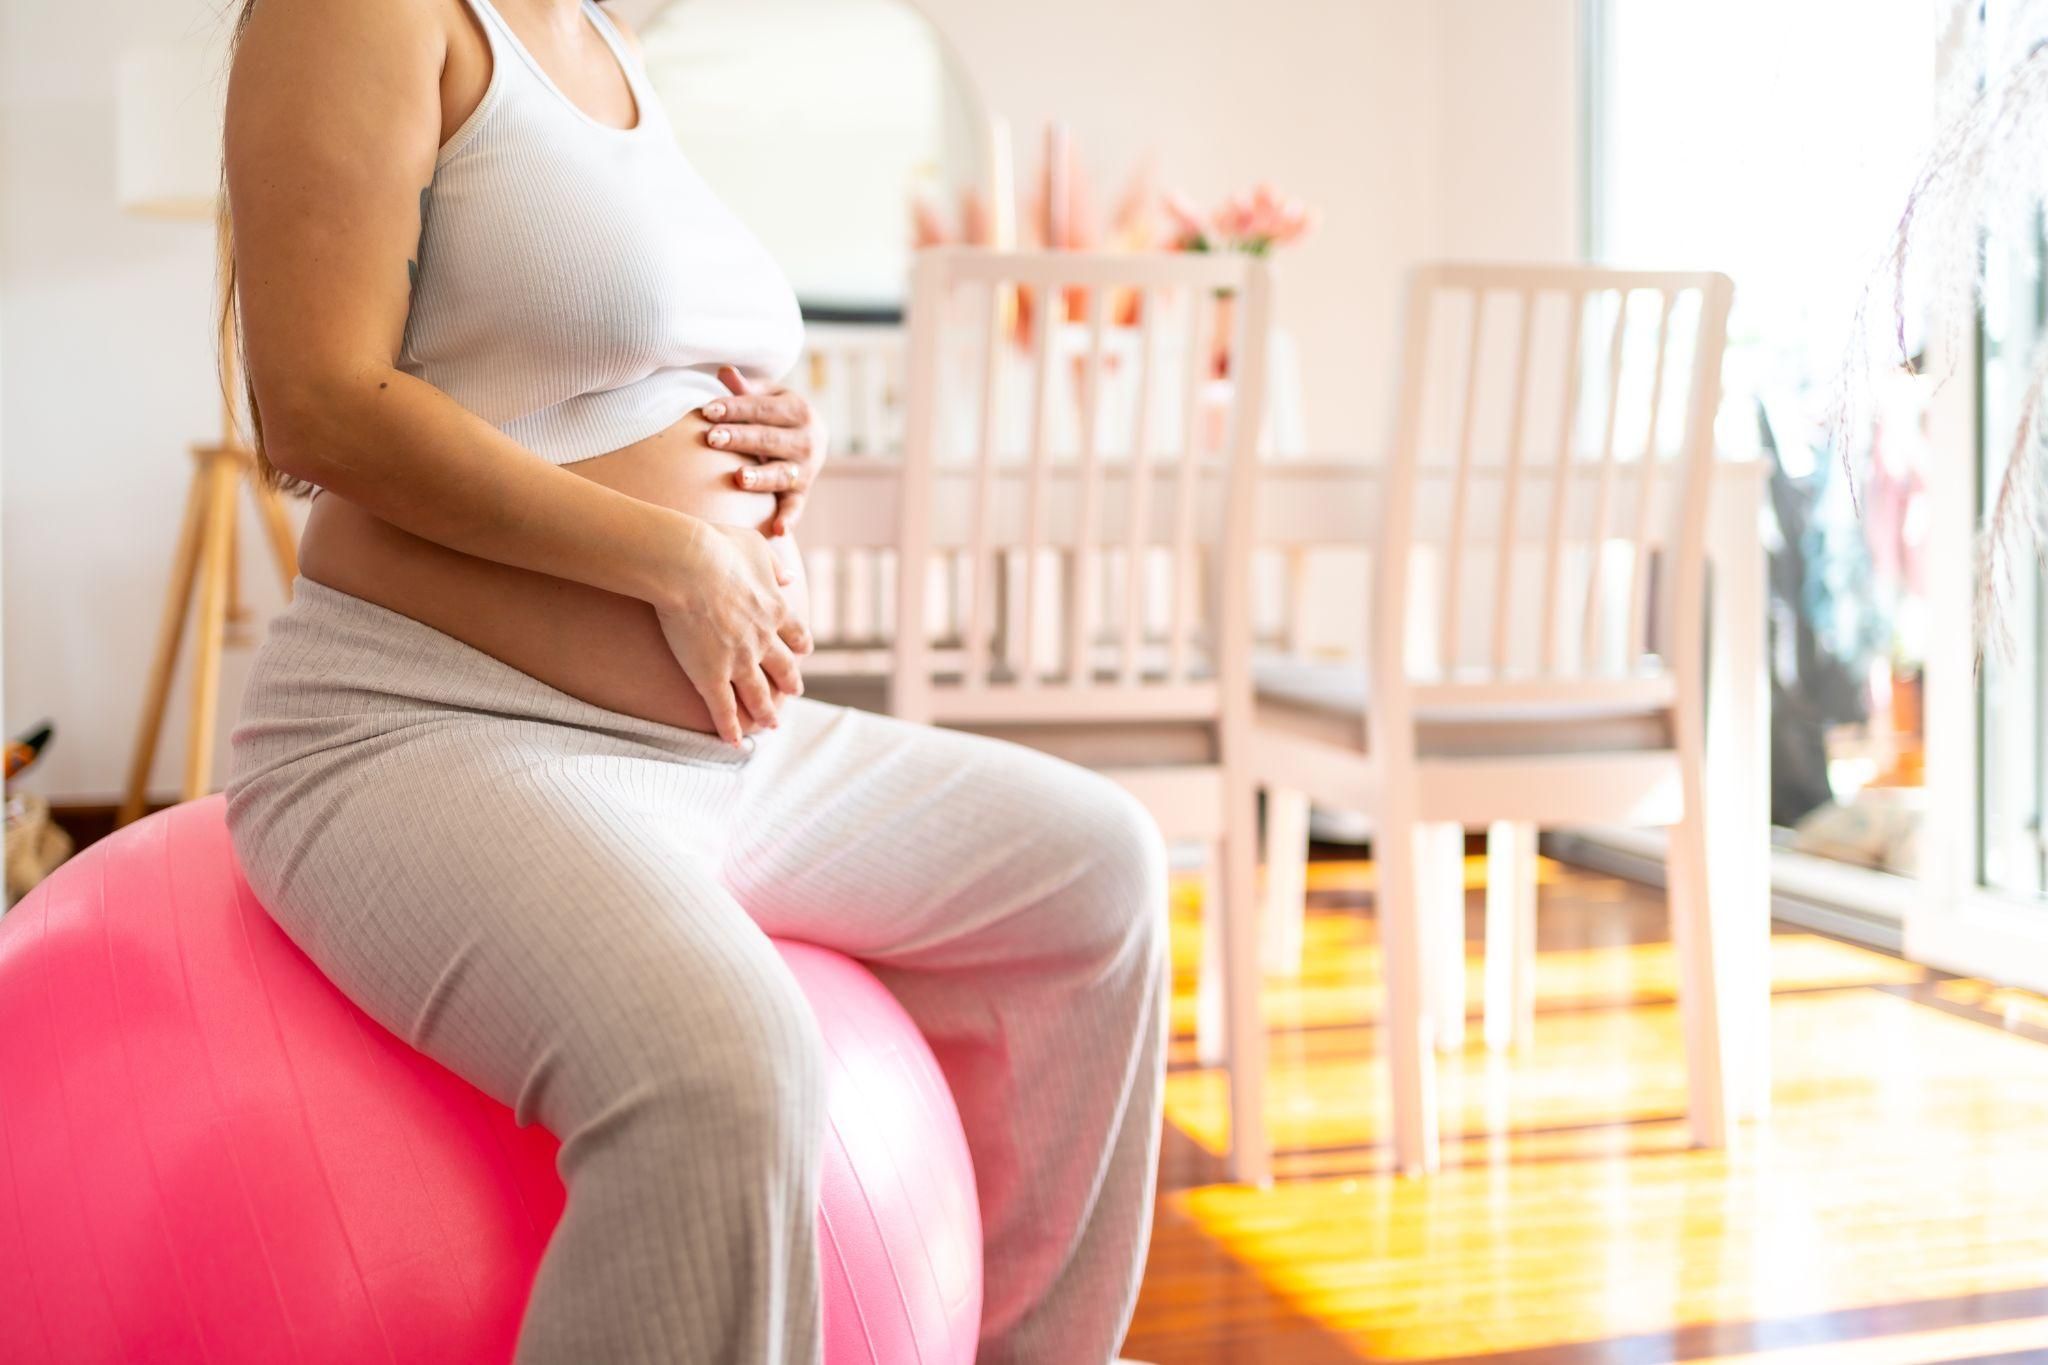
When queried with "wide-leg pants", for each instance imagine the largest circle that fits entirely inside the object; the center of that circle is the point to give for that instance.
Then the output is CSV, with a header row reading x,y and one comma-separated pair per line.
x,y
570,907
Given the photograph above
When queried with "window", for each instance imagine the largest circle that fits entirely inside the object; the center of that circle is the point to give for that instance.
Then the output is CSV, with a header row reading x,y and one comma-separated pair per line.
x,y
1775,140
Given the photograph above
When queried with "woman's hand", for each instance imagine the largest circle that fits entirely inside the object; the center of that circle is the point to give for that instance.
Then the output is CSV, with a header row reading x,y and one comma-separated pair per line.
x,y
777,429
732,630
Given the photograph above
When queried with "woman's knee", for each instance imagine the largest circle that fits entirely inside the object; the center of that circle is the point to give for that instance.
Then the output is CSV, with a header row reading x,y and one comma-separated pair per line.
x,y
756,1073
1114,857
732,1069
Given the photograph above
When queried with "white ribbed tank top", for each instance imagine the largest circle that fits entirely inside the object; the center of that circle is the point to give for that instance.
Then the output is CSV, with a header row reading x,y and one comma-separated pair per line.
x,y
578,284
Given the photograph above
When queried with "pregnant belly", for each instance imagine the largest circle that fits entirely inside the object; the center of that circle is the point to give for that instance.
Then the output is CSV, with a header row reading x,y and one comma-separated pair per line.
x,y
599,646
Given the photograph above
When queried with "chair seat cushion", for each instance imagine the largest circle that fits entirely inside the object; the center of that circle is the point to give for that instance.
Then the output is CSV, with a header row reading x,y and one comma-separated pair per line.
x,y
1326,701
861,691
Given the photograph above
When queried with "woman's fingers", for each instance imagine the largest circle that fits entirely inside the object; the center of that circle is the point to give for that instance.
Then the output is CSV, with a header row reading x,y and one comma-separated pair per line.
x,y
781,433
759,440
775,476
755,694
788,508
780,666
735,636
796,635
777,409
724,708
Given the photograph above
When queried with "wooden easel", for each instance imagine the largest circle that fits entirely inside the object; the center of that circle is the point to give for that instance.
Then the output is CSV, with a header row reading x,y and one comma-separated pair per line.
x,y
206,561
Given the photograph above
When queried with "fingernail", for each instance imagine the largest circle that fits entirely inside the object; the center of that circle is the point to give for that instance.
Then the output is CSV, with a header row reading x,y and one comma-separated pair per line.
x,y
714,410
719,436
748,478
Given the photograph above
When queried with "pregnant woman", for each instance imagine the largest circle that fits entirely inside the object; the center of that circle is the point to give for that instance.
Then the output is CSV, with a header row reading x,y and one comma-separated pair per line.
x,y
524,766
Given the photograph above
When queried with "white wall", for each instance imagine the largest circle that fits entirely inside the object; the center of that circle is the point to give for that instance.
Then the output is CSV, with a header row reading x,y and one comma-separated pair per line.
x,y
1415,128
1332,100
109,377
1509,98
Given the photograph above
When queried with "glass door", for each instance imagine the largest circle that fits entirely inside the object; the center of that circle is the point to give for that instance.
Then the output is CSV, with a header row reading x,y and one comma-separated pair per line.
x,y
2013,695
1775,140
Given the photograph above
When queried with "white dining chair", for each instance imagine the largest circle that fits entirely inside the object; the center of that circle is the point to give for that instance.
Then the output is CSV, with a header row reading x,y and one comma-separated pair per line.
x,y
852,373
1075,528
1536,651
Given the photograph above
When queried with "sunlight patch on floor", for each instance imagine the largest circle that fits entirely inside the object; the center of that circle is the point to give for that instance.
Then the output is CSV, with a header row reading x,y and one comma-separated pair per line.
x,y
1903,1159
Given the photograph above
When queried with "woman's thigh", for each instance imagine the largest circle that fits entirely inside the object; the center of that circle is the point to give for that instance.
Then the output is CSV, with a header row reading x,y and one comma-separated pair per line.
x,y
521,905
922,847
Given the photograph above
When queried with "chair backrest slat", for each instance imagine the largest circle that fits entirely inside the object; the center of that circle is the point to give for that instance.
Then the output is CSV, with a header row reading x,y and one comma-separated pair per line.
x,y
1503,577
1454,544
1084,583
1560,480
1139,491
1183,591
1589,638
1636,607
1024,638
980,554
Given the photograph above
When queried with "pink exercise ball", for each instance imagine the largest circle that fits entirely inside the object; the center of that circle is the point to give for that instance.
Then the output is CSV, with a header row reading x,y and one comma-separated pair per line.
x,y
207,1153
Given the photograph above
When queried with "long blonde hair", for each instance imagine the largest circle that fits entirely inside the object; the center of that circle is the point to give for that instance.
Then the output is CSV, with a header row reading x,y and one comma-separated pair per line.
x,y
233,356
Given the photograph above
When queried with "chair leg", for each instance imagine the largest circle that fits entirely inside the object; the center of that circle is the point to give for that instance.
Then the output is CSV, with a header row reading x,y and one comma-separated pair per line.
x,y
1510,934
1440,863
1699,995
222,476
1286,908
1525,934
1251,1157
277,527
1411,1065
1211,1047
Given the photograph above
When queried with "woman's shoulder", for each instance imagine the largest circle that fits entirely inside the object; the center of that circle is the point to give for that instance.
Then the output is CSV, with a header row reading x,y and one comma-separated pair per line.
x,y
294,40
625,29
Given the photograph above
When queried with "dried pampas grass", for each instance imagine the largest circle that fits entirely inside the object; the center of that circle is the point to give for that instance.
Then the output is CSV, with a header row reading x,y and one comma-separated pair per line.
x,y
1985,179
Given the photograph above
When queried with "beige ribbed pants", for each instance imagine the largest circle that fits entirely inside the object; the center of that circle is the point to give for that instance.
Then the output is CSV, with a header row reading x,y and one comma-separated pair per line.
x,y
570,908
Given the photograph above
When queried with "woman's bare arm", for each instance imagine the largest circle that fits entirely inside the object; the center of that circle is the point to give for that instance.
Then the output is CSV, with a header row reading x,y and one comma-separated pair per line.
x,y
334,120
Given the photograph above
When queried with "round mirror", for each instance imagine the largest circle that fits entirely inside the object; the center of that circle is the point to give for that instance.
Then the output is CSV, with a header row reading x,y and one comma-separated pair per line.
x,y
819,122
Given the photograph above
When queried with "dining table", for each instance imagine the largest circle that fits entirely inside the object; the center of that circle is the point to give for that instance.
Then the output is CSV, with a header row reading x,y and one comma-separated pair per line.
x,y
1310,502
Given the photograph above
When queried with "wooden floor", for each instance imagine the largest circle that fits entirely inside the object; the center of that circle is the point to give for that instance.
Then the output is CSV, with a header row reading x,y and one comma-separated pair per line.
x,y
1893,1208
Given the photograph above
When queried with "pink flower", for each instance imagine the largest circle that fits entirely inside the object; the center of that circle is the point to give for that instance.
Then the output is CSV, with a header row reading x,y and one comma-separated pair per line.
x,y
1233,220
1263,220
1255,222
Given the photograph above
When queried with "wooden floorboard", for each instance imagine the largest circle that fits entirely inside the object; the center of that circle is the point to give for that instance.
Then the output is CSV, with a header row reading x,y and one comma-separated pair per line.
x,y
1891,1210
